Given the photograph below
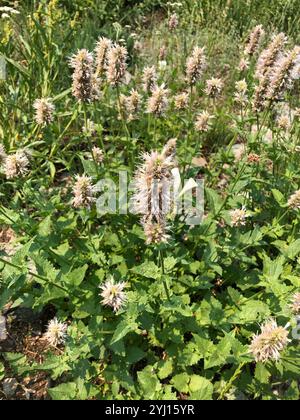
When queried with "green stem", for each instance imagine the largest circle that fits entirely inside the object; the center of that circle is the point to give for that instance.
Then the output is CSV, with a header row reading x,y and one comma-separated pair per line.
x,y
161,259
89,139
232,379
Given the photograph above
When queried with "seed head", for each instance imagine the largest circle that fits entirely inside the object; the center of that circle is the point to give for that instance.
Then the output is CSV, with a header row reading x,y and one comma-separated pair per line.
x,y
270,55
214,87
173,22
254,40
113,294
270,342
44,109
240,95
195,66
294,200
16,165
98,155
295,303
162,53
152,197
116,64
83,192
243,64
149,79
103,45
181,100
283,75
238,216
56,332
158,101
284,122
85,83
203,121
131,105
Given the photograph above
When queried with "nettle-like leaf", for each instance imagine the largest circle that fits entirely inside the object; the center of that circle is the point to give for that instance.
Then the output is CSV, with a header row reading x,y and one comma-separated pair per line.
x,y
75,277
65,391
149,383
123,328
148,269
198,387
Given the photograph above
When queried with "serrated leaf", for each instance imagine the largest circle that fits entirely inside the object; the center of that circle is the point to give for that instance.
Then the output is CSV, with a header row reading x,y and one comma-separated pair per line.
x,y
180,382
122,330
148,269
66,391
200,388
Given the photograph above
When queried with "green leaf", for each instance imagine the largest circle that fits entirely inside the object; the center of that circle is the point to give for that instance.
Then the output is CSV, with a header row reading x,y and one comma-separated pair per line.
x,y
261,373
180,382
66,391
165,369
45,227
292,250
214,200
148,269
149,383
279,197
18,362
75,277
122,330
200,388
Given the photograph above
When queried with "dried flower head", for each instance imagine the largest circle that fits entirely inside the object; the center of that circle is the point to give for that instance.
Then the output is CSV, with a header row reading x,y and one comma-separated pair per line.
x,y
152,198
131,105
158,101
173,22
113,294
89,129
241,86
284,122
162,53
203,121
295,303
243,64
138,46
44,109
264,70
83,192
181,100
253,158
297,112
85,85
149,79
214,87
16,165
294,200
98,155
101,50
240,94
116,64
195,65
238,216
270,55
56,332
155,232
283,75
270,342
254,40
